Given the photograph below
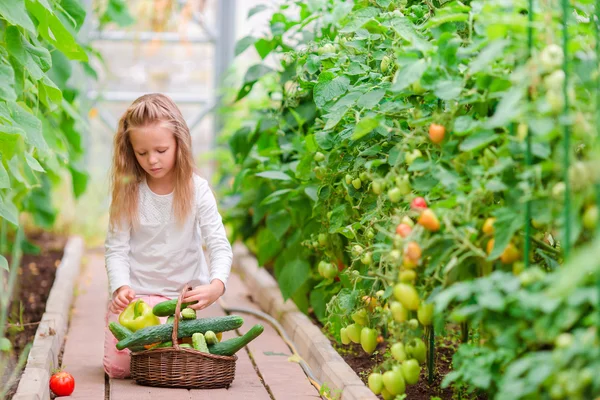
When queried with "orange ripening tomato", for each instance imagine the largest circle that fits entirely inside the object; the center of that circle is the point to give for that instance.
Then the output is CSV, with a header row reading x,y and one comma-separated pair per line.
x,y
429,220
488,226
437,133
403,230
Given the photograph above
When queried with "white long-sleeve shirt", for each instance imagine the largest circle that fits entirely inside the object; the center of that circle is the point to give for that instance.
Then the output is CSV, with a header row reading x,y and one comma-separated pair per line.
x,y
160,256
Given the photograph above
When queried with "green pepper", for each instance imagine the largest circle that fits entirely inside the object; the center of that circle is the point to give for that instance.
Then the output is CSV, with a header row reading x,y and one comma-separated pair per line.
x,y
138,315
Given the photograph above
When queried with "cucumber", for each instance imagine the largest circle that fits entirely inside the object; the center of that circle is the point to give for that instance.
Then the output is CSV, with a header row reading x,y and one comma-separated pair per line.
x,y
170,319
232,346
186,346
199,342
162,333
211,338
167,308
120,332
188,313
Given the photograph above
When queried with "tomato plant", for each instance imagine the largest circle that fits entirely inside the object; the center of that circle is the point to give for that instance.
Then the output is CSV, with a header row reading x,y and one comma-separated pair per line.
x,y
430,112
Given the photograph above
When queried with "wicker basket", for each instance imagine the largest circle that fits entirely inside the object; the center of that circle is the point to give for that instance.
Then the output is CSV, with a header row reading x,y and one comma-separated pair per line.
x,y
180,367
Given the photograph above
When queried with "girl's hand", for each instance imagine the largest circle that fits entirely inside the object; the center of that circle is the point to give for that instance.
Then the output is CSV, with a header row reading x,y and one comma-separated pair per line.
x,y
121,298
204,294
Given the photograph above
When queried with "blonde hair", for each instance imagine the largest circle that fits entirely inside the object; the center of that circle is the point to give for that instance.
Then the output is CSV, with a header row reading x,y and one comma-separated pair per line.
x,y
127,174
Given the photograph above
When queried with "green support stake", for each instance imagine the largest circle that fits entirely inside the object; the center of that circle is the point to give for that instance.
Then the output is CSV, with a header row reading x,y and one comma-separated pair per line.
x,y
528,152
597,32
567,132
431,354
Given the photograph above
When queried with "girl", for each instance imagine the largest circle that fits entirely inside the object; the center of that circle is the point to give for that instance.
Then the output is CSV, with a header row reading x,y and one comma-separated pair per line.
x,y
160,212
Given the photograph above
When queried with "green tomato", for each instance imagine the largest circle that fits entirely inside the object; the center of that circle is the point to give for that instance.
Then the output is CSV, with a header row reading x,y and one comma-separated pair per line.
x,y
354,331
407,295
344,336
385,63
386,395
326,49
417,88
327,270
319,172
411,371
395,194
376,382
555,80
377,186
412,156
394,382
367,258
322,238
5,345
360,317
318,157
403,184
399,313
368,340
349,179
370,233
590,217
555,100
413,323
416,349
357,183
564,340
425,314
363,176
357,250
558,190
551,57
398,351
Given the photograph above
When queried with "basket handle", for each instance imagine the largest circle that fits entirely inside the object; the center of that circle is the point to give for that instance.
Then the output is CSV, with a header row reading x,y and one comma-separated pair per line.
x,y
177,313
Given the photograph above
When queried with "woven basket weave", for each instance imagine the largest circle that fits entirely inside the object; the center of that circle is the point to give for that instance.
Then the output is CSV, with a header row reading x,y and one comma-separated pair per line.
x,y
180,367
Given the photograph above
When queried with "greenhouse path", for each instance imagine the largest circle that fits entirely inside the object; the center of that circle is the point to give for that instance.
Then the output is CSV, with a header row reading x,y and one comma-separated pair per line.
x,y
262,370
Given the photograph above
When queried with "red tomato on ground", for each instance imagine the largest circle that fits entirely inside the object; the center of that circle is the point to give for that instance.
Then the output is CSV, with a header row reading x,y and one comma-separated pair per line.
x,y
62,383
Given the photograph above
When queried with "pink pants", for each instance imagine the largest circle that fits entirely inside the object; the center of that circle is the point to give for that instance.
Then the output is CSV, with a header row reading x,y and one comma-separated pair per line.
x,y
116,362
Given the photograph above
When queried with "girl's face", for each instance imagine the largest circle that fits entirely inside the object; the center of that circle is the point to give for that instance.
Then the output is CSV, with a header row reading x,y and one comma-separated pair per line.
x,y
155,149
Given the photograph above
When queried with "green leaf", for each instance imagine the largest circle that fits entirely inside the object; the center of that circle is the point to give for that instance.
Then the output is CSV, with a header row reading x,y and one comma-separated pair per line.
x,y
51,28
33,163
117,11
75,10
496,185
489,54
34,59
264,47
3,263
274,197
408,75
279,223
464,124
276,175
329,87
507,109
79,179
293,276
478,140
371,99
9,211
364,127
507,223
256,9
406,30
243,44
14,12
448,89
7,78
253,74
28,123
359,18
4,178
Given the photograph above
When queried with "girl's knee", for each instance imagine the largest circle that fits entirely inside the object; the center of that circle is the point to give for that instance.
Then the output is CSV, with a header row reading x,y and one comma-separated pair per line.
x,y
115,369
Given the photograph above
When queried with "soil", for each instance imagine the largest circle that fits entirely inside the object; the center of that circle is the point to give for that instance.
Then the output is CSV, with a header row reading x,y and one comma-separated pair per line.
x,y
35,278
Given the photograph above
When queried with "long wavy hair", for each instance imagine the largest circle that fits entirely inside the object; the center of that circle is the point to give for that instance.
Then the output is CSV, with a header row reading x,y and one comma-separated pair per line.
x,y
127,173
